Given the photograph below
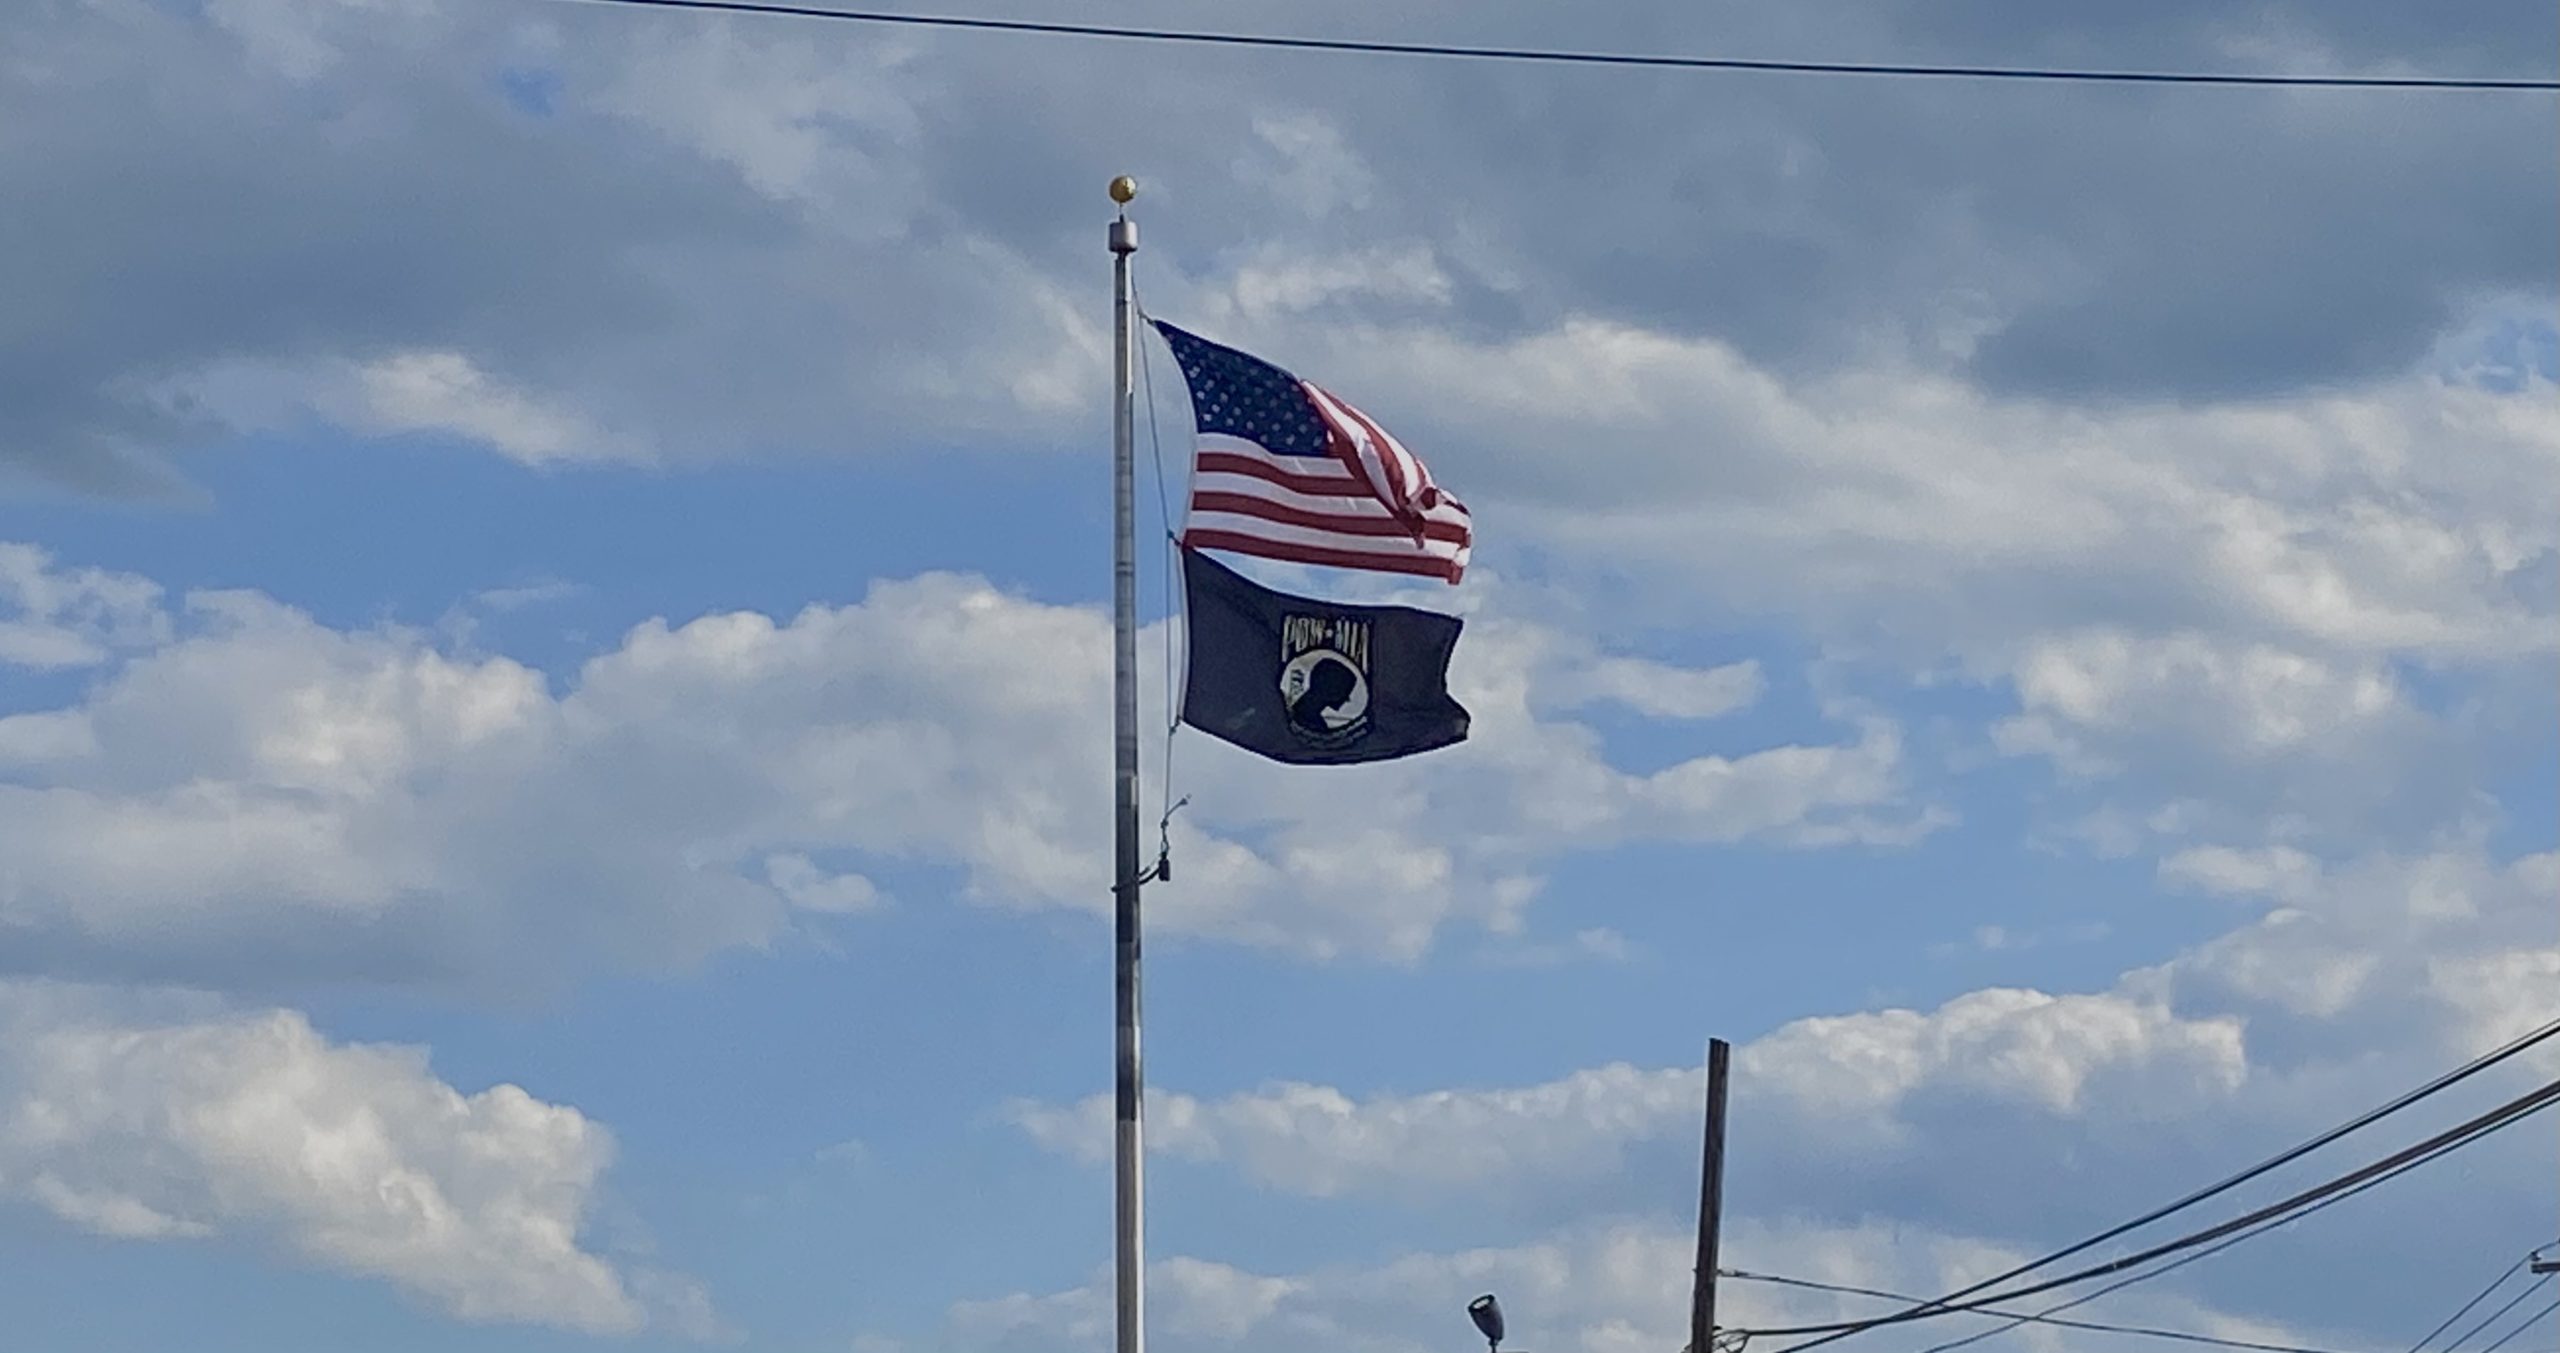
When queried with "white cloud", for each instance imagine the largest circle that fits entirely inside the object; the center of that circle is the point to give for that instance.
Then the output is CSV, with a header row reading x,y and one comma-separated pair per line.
x,y
2280,872
2216,602
852,1152
529,594
1664,691
2501,995
1839,1082
2231,600
842,233
2090,700
2387,942
2027,1047
1316,1140
1607,1286
1306,162
251,1127
1597,944
2322,523
1998,939
835,192
264,799
832,129
447,392
813,889
1877,1130
302,41
2358,978
110,1214
53,617
1282,285
404,391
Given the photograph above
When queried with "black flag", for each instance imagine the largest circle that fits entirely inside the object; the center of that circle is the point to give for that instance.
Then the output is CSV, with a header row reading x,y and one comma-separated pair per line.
x,y
1309,682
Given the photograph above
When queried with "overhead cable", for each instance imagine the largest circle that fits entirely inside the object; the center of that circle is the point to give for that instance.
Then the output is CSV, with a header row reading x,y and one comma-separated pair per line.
x,y
1197,37
2465,1309
2492,1318
2196,1256
2449,1079
2021,1317
2529,1322
2452,1139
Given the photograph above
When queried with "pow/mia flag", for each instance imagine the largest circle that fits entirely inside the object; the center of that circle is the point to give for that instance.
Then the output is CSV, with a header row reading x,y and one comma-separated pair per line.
x,y
1314,682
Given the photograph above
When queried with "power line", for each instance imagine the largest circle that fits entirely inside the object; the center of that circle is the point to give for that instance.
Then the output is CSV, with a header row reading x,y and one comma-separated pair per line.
x,y
1555,57
2505,1115
2020,1317
2529,1322
2198,1257
2048,1312
2475,1066
2512,1270
2492,1318
2444,1143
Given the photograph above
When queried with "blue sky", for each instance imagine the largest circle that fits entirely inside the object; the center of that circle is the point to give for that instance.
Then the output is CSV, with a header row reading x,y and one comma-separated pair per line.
x,y
553,679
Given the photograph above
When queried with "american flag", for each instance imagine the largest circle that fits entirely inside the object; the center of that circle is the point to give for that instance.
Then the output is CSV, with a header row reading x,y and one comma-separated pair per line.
x,y
1286,470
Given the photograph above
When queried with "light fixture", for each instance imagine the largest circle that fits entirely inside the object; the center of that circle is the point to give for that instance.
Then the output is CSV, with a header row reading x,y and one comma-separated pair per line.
x,y
1487,1313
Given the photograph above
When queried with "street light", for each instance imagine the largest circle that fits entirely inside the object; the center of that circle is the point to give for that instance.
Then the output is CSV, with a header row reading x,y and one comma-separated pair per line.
x,y
1487,1313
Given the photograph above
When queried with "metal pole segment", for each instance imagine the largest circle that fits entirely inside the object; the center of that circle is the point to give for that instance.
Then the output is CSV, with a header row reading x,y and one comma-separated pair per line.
x,y
1129,1258
1702,1292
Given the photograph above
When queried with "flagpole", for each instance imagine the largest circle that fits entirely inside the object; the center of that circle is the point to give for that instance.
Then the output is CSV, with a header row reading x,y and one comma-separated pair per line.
x,y
1129,1160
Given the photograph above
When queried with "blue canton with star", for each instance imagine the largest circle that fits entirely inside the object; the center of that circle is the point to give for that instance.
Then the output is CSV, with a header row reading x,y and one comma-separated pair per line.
x,y
1243,396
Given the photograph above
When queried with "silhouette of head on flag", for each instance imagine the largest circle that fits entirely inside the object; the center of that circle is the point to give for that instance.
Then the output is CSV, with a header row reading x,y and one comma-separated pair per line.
x,y
1329,683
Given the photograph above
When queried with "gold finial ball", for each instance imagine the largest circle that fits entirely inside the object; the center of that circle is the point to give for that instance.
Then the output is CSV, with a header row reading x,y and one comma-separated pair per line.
x,y
1123,189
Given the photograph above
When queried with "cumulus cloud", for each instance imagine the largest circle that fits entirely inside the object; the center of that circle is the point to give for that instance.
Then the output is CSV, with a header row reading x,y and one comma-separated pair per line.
x,y
2259,701
251,1127
2040,1050
447,392
1825,1084
2279,872
53,617
740,236
255,798
1665,691
2348,949
557,301
2387,965
2294,607
2351,980
2238,562
1608,1286
1893,497
749,239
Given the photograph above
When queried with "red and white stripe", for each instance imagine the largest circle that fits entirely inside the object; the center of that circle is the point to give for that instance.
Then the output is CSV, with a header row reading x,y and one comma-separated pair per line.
x,y
1395,475
1371,505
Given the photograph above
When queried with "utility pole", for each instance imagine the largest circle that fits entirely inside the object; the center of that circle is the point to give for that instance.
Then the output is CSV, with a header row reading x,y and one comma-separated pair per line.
x,y
2541,1265
1702,1293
